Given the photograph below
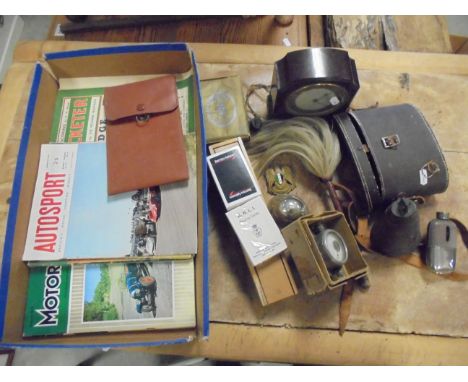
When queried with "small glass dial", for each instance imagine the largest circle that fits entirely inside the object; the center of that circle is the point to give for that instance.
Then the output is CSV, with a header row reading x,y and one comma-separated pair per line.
x,y
336,249
316,99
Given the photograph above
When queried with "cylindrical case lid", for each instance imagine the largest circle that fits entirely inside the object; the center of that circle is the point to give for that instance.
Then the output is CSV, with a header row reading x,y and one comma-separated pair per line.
x,y
399,147
355,169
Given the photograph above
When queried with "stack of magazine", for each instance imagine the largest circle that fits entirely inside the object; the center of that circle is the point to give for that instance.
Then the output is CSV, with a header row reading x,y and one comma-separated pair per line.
x,y
102,263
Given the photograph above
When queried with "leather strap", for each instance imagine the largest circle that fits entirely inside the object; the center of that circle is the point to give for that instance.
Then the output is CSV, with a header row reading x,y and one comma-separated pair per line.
x,y
363,234
345,305
347,291
462,229
414,259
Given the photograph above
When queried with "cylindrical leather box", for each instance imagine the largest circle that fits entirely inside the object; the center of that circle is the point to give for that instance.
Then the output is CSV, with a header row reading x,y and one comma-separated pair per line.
x,y
389,152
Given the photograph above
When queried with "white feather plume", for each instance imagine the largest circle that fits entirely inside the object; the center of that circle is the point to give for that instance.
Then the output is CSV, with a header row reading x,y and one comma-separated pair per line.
x,y
309,139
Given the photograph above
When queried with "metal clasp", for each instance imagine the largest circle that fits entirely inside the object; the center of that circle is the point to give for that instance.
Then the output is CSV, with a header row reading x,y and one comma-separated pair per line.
x,y
391,141
141,120
431,168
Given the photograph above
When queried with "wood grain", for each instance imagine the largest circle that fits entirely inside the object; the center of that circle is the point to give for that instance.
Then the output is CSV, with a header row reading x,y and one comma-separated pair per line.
x,y
253,30
459,44
16,77
400,33
358,32
417,33
234,340
405,62
320,347
315,30
234,298
13,100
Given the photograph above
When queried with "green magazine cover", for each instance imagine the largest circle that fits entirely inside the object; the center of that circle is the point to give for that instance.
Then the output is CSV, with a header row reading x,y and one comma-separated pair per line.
x,y
110,297
48,301
79,116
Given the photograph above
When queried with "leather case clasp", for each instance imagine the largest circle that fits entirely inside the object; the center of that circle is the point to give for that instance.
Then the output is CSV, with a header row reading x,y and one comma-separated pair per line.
x,y
148,97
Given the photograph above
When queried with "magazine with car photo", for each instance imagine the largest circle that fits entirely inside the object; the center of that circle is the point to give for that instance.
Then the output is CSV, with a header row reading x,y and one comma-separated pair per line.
x,y
85,298
128,291
73,218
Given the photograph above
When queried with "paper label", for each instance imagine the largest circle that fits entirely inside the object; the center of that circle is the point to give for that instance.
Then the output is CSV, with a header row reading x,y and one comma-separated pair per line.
x,y
185,97
58,32
423,178
334,101
257,231
220,109
286,42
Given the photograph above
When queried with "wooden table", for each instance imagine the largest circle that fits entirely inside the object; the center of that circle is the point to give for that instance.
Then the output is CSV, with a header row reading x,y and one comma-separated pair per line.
x,y
236,340
262,30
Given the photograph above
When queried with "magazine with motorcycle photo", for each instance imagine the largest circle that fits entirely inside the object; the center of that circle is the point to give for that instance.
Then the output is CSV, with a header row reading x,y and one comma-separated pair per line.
x,y
110,297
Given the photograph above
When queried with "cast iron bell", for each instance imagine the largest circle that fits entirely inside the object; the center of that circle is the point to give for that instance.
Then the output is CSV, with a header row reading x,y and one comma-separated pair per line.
x,y
397,233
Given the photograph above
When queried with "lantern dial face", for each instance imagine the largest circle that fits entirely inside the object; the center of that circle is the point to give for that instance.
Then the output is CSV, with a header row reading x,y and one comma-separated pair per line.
x,y
316,99
333,248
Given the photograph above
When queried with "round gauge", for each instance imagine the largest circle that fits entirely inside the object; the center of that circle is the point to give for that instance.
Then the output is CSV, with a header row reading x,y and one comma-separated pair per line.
x,y
333,248
316,99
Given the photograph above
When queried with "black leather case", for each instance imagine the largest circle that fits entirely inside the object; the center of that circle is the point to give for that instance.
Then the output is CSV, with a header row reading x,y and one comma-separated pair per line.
x,y
389,151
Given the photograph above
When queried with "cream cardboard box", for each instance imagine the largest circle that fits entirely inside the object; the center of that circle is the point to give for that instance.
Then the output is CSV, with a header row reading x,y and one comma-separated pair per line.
x,y
132,60
273,278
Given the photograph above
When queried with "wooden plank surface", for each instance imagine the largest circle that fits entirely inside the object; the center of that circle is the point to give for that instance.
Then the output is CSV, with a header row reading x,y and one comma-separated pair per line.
x,y
417,33
459,44
315,31
262,30
399,33
359,32
13,99
16,77
320,347
405,62
233,296
224,342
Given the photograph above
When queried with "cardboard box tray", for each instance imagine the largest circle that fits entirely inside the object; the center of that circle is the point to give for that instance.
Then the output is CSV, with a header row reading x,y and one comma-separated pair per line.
x,y
132,60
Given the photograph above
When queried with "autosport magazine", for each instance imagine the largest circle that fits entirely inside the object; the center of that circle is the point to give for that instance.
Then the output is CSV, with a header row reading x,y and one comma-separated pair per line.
x,y
110,297
73,218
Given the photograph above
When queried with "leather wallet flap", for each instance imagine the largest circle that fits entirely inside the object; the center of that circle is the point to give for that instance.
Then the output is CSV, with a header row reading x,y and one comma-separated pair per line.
x,y
155,96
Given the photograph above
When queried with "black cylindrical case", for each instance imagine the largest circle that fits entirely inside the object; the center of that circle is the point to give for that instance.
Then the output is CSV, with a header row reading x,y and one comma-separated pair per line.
x,y
389,152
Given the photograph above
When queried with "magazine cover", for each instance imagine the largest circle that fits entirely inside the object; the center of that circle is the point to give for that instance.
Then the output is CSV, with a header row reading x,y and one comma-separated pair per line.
x,y
110,297
73,218
79,114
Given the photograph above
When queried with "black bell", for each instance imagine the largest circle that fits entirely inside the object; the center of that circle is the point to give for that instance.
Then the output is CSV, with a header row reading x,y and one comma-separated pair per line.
x,y
397,232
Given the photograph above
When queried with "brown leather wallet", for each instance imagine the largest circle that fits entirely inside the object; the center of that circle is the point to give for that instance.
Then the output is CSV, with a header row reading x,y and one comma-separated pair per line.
x,y
145,143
